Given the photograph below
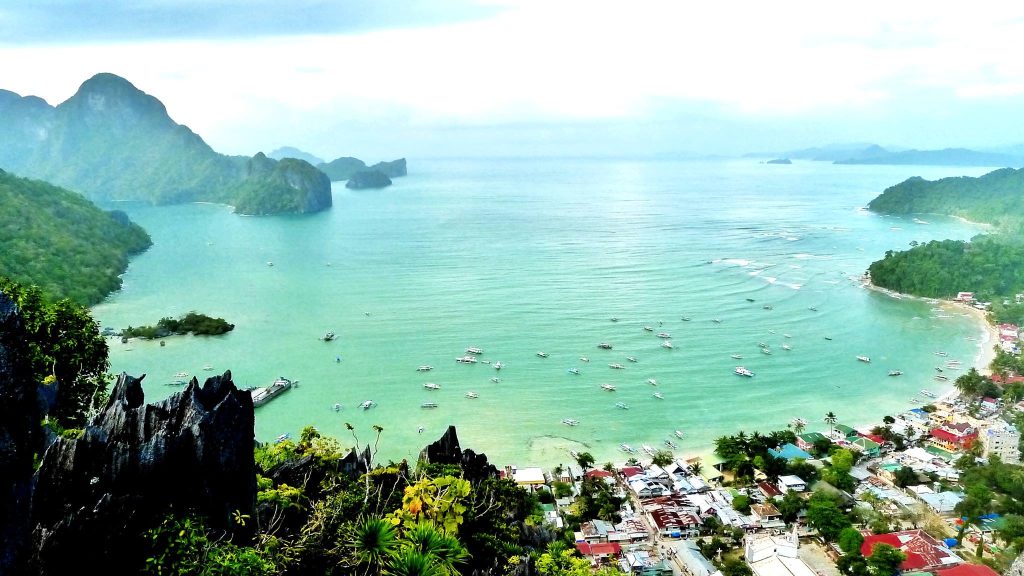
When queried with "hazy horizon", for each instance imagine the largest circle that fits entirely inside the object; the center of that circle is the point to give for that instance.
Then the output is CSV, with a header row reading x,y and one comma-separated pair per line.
x,y
380,80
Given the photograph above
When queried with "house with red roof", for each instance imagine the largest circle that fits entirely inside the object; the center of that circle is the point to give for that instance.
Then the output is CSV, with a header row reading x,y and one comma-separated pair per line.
x,y
923,552
628,472
1008,380
967,570
600,552
954,437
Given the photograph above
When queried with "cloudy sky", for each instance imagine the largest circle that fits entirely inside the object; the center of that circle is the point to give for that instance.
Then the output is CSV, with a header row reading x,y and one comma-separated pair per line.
x,y
380,79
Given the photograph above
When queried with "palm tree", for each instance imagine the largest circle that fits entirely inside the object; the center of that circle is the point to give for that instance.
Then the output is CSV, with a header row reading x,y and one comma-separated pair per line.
x,y
375,541
585,460
445,550
413,563
831,420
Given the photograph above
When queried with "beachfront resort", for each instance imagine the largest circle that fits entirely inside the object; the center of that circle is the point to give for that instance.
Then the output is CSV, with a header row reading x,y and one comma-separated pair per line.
x,y
898,497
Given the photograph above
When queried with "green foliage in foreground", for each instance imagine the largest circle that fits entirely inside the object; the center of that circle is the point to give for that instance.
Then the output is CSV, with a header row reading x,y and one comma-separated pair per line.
x,y
991,267
61,242
191,323
995,197
68,356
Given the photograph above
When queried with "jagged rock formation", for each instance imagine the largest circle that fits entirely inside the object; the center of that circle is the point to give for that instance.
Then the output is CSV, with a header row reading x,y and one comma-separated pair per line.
x,y
111,141
446,450
19,435
286,185
368,179
346,167
96,496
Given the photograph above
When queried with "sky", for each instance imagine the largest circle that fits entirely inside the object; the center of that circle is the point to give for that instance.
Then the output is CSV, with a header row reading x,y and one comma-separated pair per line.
x,y
383,79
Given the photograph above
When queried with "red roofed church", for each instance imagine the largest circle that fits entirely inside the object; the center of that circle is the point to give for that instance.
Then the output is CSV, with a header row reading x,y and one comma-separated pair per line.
x,y
967,570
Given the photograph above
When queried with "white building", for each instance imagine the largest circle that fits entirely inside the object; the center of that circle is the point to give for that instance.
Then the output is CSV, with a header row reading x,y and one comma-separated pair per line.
x,y
1002,440
775,555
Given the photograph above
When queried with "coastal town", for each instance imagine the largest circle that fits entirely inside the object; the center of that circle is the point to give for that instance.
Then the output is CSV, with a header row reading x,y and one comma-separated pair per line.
x,y
902,496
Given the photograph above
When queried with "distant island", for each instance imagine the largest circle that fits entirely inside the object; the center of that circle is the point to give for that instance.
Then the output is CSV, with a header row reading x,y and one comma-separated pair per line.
x,y
192,323
111,141
59,241
368,179
945,157
292,152
346,168
779,161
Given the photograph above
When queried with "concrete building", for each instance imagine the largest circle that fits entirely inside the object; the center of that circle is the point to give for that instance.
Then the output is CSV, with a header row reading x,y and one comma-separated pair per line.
x,y
1002,440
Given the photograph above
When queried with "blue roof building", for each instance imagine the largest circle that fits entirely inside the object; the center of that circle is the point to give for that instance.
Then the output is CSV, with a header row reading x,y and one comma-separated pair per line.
x,y
789,452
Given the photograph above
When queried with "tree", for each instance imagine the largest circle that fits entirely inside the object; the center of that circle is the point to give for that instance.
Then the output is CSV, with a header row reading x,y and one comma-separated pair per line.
x,y
850,540
662,458
585,460
742,504
831,419
790,505
976,503
821,446
66,352
558,560
736,567
905,476
374,541
885,560
824,515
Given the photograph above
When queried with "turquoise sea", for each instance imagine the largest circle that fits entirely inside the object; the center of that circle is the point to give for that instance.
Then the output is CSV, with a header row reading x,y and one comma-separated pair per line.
x,y
521,256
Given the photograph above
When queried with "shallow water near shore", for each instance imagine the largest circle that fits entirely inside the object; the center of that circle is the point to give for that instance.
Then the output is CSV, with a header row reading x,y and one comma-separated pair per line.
x,y
522,256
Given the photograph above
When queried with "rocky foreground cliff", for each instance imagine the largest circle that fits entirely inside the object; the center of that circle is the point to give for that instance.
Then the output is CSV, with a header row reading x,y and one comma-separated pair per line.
x,y
111,141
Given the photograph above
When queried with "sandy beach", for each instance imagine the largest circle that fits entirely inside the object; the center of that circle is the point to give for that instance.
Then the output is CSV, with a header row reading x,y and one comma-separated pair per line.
x,y
987,340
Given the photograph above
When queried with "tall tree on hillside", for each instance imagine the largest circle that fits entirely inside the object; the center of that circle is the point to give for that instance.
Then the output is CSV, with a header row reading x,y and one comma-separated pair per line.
x,y
831,420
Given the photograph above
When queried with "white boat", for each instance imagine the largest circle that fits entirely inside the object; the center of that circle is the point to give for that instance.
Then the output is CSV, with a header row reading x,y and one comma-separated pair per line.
x,y
941,354
716,320
542,354
664,335
178,382
666,344
762,345
182,374
207,367
498,365
573,370
570,422
616,366
282,438
786,336
685,318
495,379
652,381
631,358
425,368
787,347
604,346
627,448
367,404
737,356
658,395
895,372
766,351
812,308
466,359
941,378
261,396
432,386
428,405
741,371
647,449
622,405
671,444
648,329
863,358
928,393
337,407
614,319
472,395
328,336
608,387
474,350
584,359
678,433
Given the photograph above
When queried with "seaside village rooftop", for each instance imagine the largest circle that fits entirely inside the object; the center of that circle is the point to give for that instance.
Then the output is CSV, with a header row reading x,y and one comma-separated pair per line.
x,y
826,501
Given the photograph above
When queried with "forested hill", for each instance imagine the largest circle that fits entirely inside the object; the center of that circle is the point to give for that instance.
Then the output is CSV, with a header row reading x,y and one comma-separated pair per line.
x,y
63,243
996,198
111,141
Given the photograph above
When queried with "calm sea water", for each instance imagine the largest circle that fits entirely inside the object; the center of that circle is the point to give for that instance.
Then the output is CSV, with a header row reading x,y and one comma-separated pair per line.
x,y
517,257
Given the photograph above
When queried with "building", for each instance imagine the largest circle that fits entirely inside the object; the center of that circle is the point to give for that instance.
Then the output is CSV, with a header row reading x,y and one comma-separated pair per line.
x,y
965,297
923,552
790,482
789,452
688,558
599,553
954,437
1002,440
775,555
806,440
866,446
967,570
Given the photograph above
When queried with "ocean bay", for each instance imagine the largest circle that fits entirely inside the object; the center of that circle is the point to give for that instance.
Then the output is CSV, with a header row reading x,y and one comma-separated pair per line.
x,y
521,256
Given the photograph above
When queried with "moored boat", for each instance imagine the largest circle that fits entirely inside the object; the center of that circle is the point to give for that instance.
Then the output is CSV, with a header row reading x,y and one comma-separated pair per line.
x,y
428,405
895,372
327,337
737,356
604,346
367,404
928,393
671,444
542,354
678,433
261,396
627,448
631,358
622,405
608,387
425,368
616,366
495,379
864,359
741,371
658,395
570,422
666,344
664,335
573,371
647,449
652,381
466,359
498,365
432,386
474,350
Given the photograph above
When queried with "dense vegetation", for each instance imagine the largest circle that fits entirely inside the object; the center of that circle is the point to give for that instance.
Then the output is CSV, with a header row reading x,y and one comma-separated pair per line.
x,y
273,187
995,198
61,242
112,141
990,266
68,357
191,323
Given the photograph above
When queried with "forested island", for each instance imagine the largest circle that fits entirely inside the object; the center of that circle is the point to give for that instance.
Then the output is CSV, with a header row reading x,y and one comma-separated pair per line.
x,y
991,266
192,323
111,141
63,243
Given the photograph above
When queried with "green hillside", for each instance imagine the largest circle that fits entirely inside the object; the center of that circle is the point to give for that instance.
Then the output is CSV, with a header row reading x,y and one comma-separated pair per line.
x,y
63,243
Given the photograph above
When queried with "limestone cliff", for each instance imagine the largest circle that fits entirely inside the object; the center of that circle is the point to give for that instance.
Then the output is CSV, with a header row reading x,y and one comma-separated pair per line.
x,y
446,450
96,495
368,179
